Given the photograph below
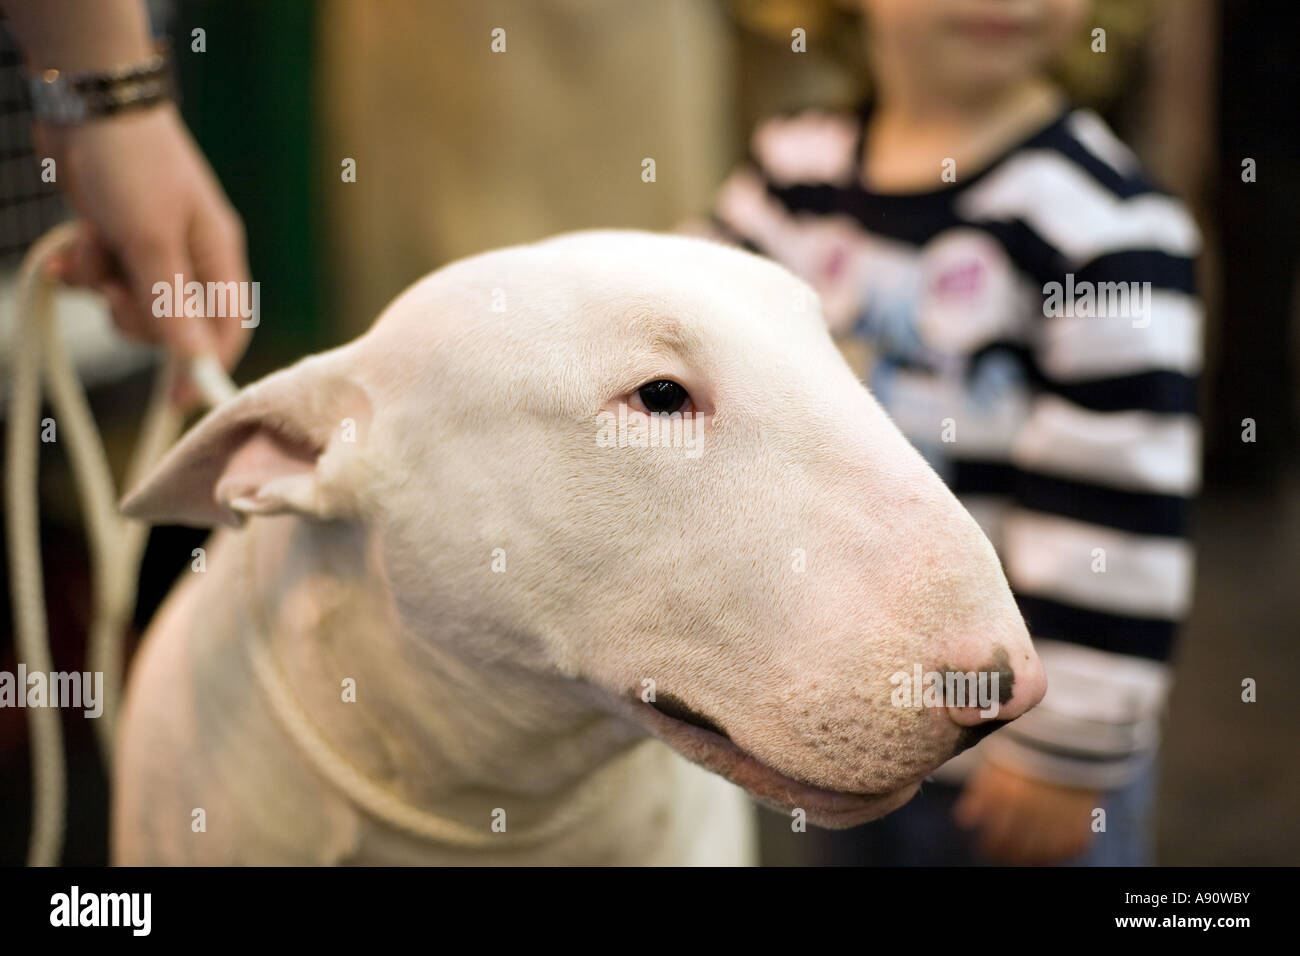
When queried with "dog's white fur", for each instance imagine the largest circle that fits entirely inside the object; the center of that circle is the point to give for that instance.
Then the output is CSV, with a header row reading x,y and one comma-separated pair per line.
x,y
473,402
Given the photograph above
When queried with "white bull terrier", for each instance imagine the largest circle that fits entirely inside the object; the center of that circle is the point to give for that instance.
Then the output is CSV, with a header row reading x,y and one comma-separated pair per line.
x,y
485,583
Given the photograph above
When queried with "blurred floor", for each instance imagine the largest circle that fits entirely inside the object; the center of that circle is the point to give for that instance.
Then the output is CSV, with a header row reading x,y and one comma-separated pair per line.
x,y
1231,785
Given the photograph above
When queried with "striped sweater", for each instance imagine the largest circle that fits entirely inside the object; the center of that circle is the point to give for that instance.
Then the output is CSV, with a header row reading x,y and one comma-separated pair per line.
x,y
1033,329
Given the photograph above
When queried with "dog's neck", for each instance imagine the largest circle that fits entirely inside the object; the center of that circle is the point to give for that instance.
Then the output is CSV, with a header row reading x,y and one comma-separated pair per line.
x,y
410,711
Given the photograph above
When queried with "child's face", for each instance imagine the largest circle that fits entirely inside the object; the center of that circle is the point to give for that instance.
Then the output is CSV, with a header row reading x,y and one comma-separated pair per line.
x,y
971,46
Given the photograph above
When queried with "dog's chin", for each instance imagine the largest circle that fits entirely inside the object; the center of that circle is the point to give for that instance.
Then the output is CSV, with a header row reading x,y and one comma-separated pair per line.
x,y
832,809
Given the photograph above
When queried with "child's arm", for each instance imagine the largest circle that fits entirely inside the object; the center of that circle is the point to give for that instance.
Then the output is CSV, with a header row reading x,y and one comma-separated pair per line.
x,y
1097,546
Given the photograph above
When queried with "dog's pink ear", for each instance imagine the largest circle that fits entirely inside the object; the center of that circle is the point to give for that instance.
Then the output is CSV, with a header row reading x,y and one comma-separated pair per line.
x,y
269,450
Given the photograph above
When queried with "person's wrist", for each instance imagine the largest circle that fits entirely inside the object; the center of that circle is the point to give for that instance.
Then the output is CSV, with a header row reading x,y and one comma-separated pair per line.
x,y
62,142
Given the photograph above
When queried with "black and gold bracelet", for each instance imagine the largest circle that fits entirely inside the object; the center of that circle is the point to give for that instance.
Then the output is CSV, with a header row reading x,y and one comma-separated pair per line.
x,y
67,99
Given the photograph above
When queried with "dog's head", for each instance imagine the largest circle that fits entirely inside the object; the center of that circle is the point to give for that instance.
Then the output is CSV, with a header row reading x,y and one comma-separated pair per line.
x,y
639,462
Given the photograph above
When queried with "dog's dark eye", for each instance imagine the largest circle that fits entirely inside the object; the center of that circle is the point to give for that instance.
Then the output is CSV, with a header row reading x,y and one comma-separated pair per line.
x,y
662,396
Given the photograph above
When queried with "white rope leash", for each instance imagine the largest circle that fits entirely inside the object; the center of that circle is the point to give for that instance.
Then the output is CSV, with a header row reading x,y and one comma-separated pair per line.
x,y
117,545
381,803
375,799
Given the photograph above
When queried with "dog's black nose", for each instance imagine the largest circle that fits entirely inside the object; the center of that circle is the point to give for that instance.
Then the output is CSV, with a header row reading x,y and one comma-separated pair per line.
x,y
970,736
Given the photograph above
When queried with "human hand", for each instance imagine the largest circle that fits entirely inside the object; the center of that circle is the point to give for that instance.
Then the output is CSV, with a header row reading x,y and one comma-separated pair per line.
x,y
1020,820
151,208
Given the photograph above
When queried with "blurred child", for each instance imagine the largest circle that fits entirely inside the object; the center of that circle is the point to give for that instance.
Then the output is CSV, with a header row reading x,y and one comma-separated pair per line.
x,y
1020,299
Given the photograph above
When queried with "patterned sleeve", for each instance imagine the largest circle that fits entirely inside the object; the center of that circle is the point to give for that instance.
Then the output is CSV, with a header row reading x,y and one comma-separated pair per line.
x,y
1096,543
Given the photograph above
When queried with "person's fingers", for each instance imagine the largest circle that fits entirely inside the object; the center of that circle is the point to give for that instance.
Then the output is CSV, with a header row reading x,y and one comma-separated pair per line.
x,y
1078,844
184,395
56,266
996,832
155,258
218,248
1069,840
126,315
999,817
86,262
231,341
1027,842
969,808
